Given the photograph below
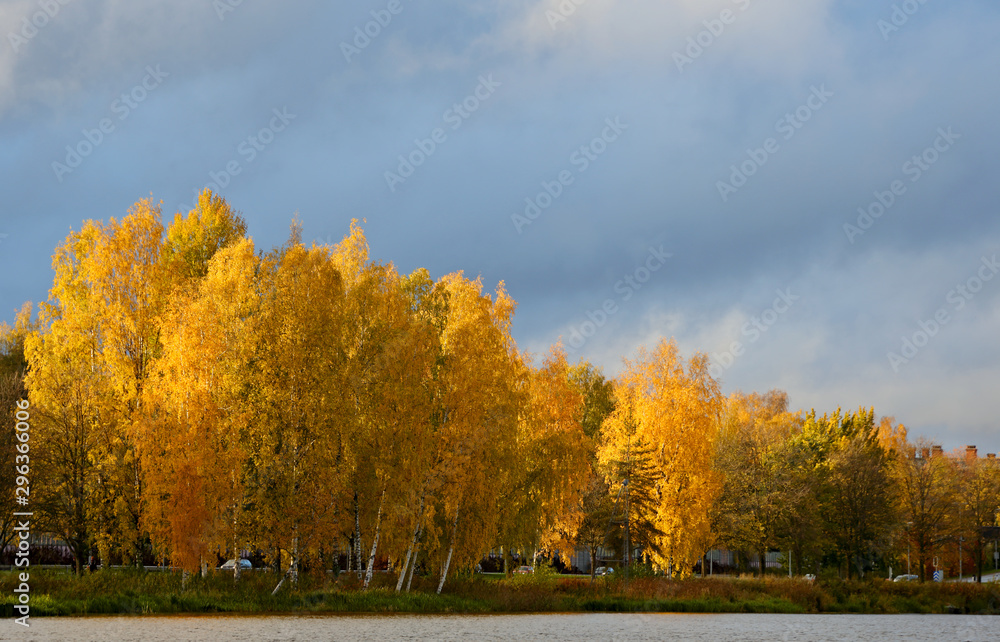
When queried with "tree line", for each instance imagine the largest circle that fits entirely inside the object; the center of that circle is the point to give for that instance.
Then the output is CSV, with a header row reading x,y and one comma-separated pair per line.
x,y
195,396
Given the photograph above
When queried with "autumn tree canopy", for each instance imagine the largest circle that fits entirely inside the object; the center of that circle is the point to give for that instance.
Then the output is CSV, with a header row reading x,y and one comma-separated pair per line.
x,y
195,396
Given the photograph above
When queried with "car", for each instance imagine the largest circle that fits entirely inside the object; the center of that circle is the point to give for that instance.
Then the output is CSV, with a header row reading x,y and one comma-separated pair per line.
x,y
603,570
524,570
809,577
906,578
231,565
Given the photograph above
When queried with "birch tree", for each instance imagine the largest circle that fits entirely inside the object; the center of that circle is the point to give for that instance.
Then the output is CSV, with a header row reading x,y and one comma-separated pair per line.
x,y
72,401
669,406
294,374
194,434
482,395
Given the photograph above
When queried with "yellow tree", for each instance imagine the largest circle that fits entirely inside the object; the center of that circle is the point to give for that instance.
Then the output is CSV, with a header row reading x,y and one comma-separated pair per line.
x,y
669,406
192,438
978,501
292,397
72,400
389,355
127,295
428,302
192,240
481,396
541,505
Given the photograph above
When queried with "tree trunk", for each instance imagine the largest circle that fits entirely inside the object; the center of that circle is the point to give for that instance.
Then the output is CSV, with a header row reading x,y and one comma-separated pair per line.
x,y
357,532
403,569
413,543
413,566
980,545
451,550
293,567
280,582
378,531
236,571
204,567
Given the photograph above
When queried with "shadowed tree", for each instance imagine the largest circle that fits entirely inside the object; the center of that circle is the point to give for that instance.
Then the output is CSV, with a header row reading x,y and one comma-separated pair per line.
x,y
759,492
13,367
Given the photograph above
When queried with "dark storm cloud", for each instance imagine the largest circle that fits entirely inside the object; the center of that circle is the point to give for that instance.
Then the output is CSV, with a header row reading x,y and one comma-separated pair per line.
x,y
874,97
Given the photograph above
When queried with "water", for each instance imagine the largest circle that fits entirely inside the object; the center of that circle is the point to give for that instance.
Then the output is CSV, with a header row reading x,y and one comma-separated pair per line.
x,y
549,627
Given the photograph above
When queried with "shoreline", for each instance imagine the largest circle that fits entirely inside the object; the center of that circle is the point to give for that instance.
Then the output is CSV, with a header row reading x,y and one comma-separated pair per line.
x,y
138,593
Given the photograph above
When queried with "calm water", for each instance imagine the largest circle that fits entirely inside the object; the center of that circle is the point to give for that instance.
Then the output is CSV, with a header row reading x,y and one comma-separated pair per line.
x,y
712,628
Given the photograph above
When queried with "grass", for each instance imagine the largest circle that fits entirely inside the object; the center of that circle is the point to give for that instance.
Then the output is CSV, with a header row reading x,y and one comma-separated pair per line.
x,y
55,592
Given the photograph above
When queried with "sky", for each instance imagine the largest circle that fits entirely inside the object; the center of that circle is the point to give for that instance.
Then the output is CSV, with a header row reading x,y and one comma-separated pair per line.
x,y
804,191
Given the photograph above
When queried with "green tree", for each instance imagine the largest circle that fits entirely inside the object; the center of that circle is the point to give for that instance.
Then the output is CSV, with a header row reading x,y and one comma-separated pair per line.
x,y
857,496
759,492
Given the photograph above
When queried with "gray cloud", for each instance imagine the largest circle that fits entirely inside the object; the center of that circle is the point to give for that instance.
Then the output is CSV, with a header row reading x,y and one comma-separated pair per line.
x,y
656,184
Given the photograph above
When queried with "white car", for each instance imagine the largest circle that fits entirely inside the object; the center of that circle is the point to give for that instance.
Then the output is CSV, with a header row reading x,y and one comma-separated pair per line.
x,y
603,570
231,565
907,578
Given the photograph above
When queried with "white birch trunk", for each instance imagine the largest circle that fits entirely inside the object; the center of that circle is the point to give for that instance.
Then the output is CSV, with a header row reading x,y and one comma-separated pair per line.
x,y
278,587
236,549
402,571
413,543
413,567
378,531
236,571
444,571
451,550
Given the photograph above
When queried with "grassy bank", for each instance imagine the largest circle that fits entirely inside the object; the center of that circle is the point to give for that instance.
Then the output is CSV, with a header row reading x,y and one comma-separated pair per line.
x,y
137,592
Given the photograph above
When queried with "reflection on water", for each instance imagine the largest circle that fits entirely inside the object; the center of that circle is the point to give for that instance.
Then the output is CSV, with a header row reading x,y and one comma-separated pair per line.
x,y
548,627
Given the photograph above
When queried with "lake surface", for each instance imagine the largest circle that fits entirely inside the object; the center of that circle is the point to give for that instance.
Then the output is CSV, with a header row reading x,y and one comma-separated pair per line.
x,y
558,627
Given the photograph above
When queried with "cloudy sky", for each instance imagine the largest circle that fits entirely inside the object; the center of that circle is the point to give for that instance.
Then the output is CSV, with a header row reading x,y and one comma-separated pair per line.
x,y
805,191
